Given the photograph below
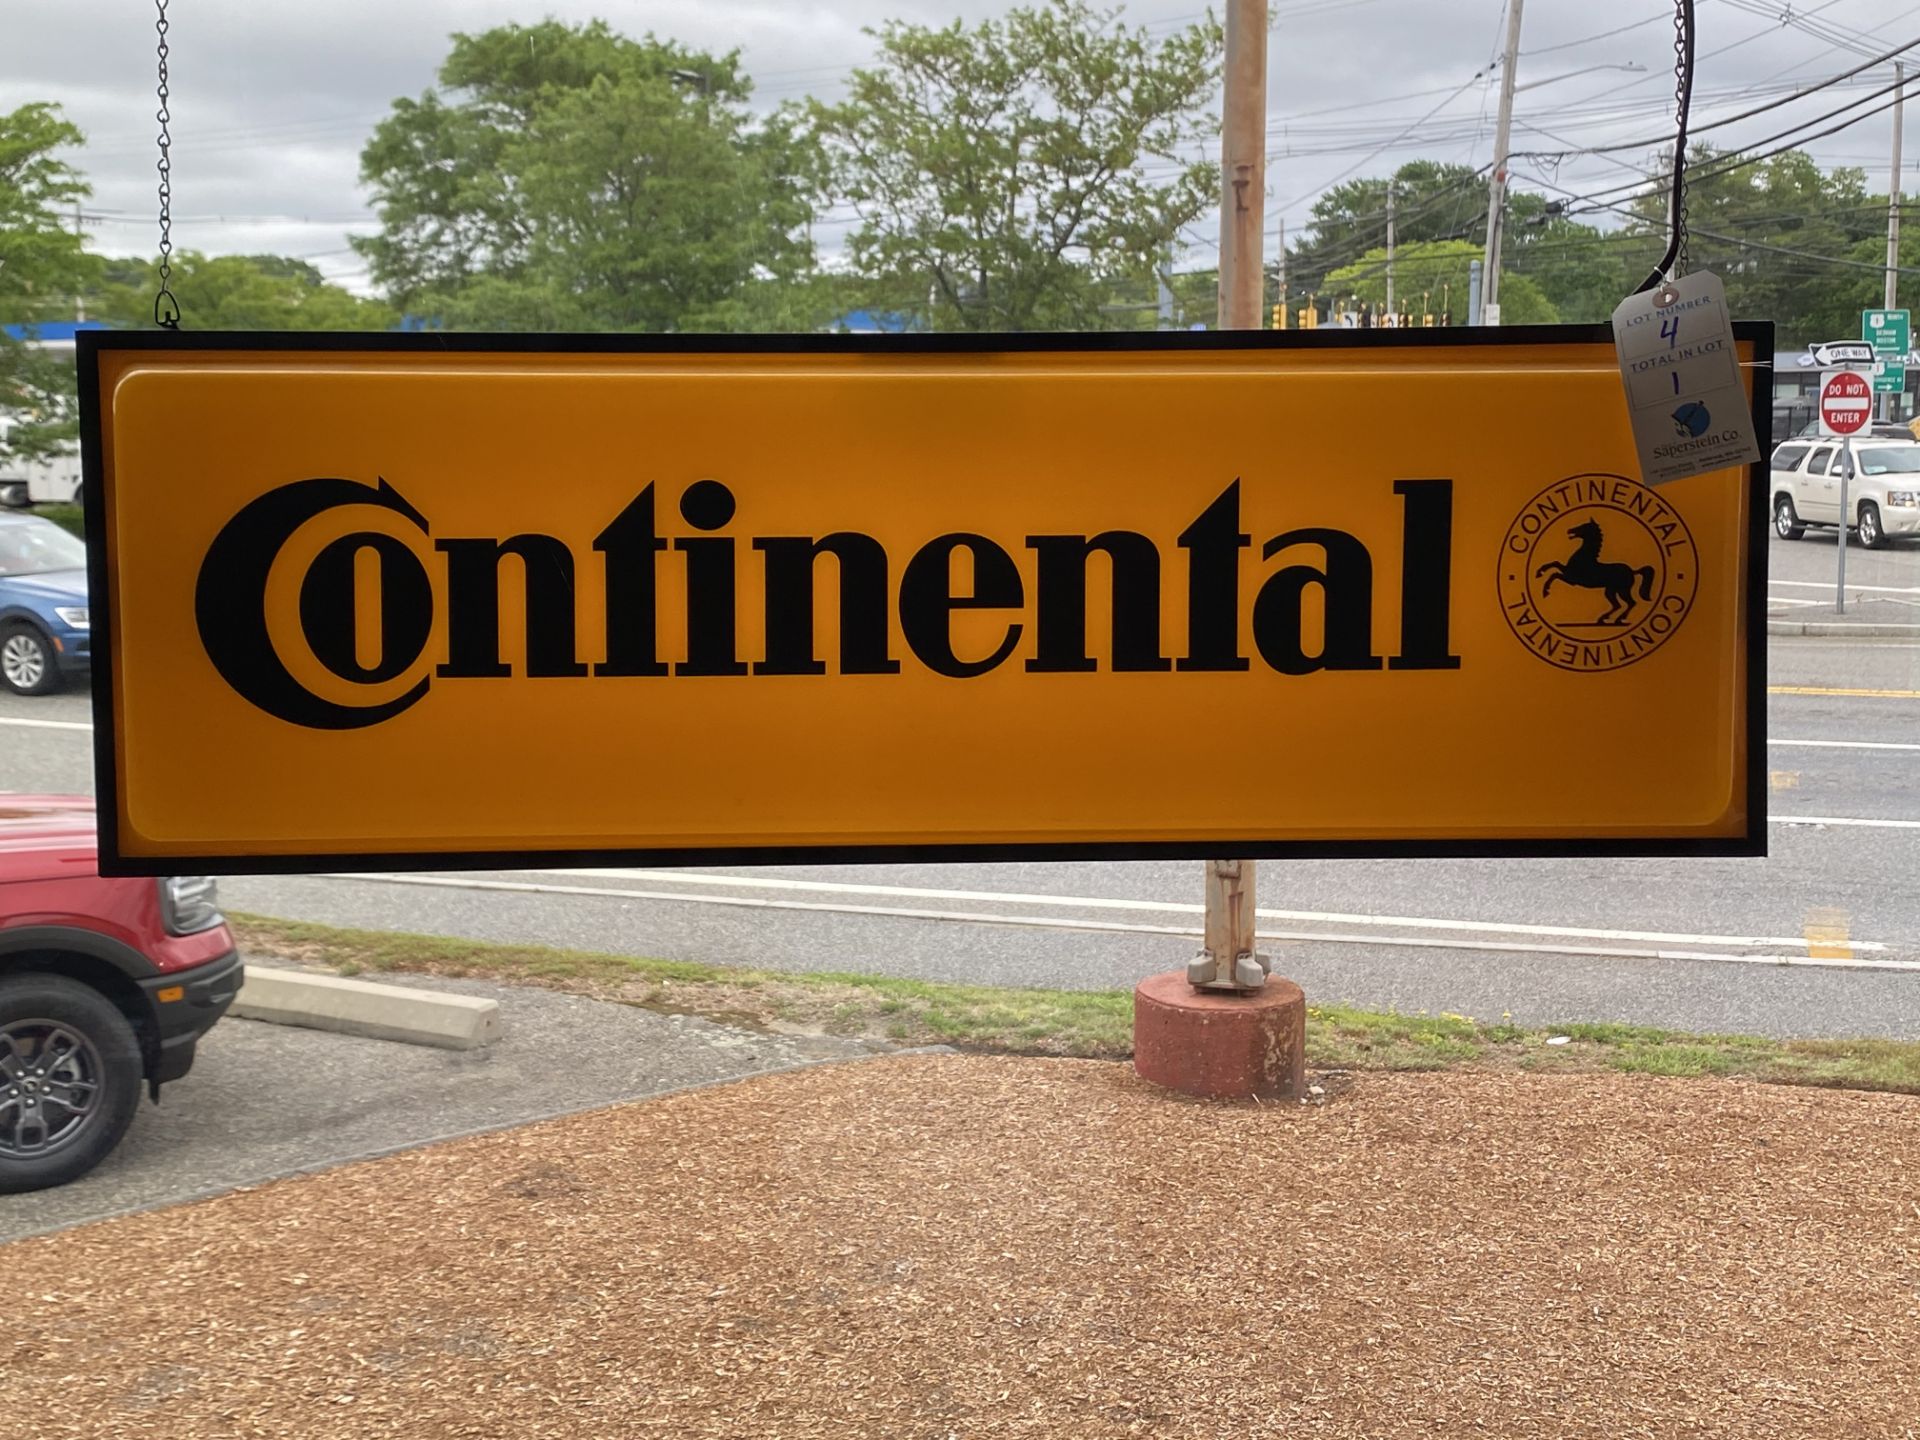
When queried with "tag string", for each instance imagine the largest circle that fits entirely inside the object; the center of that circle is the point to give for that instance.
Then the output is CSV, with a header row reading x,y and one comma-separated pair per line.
x,y
1683,98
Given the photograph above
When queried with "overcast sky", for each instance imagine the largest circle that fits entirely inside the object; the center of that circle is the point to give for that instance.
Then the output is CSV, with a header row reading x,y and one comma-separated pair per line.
x,y
274,98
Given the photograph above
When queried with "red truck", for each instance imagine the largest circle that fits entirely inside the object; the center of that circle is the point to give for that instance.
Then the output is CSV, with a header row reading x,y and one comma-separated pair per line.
x,y
105,985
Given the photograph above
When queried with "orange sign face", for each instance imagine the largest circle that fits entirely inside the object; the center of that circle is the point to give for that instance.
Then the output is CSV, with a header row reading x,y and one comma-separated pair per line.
x,y
387,601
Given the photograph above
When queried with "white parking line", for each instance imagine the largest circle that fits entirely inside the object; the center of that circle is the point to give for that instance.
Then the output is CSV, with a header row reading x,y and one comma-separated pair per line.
x,y
44,724
1845,744
1081,923
1844,820
1828,585
1170,907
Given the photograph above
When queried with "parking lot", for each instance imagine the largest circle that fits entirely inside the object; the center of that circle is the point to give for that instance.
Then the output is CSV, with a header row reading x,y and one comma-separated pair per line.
x,y
270,1100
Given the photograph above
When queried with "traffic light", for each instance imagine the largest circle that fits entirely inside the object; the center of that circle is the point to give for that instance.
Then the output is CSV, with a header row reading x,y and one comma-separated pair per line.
x,y
1280,316
1309,316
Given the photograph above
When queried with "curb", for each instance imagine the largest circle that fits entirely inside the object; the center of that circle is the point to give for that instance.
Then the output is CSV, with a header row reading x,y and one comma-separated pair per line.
x,y
359,1007
1842,627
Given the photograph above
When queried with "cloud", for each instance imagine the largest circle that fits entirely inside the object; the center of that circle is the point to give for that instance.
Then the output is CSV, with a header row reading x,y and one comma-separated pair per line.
x,y
273,99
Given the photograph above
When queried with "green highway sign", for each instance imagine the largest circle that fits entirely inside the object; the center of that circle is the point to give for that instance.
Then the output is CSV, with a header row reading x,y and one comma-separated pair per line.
x,y
1890,332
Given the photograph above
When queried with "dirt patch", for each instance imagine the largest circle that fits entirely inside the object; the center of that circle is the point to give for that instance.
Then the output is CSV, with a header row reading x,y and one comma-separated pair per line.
x,y
967,1246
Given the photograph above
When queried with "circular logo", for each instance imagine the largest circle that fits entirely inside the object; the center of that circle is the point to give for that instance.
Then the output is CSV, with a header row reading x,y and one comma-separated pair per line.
x,y
1597,572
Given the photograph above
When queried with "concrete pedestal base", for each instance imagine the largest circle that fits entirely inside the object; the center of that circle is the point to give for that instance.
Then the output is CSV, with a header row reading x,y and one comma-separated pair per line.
x,y
1221,1046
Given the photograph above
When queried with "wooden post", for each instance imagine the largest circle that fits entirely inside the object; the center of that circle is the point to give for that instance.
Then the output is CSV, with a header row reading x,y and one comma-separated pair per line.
x,y
1243,167
1228,961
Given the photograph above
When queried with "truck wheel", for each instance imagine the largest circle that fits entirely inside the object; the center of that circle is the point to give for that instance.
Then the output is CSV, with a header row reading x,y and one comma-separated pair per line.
x,y
1871,535
26,661
69,1080
1786,520
14,494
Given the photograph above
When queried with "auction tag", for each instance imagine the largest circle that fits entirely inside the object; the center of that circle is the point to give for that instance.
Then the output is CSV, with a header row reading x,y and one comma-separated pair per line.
x,y
1682,373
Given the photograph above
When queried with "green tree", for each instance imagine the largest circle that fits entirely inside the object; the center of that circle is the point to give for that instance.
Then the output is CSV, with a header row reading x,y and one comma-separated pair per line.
x,y
569,177
43,265
1011,173
1432,201
1773,231
1438,269
1582,271
235,292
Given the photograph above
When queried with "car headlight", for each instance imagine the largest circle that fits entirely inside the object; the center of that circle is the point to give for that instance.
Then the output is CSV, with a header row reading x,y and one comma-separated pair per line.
x,y
73,615
189,903
1903,497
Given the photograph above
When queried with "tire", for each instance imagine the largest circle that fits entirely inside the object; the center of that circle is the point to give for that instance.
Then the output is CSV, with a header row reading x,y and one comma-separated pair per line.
x,y
58,1120
14,494
1786,520
1871,534
27,666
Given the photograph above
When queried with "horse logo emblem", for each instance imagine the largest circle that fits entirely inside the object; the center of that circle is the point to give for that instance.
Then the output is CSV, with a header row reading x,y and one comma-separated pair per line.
x,y
1603,533
1586,569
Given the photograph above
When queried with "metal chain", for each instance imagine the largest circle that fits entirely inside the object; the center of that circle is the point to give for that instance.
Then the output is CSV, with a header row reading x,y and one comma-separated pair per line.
x,y
166,309
1682,94
1675,259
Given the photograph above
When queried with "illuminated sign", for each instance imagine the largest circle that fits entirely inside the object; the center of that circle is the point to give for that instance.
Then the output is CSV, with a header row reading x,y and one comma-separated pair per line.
x,y
386,601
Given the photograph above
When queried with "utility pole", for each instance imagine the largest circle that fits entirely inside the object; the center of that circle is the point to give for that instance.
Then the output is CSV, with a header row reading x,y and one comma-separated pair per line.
x,y
1229,960
1286,314
1489,311
1243,187
1892,402
1893,189
1389,247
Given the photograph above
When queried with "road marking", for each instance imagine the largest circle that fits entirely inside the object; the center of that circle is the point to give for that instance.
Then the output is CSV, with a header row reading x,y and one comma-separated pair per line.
x,y
1827,935
1783,779
1854,694
1828,585
1171,907
45,724
1844,820
1809,642
1074,922
1846,744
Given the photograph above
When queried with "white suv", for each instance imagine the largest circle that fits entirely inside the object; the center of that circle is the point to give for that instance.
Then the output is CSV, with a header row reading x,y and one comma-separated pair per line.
x,y
1883,496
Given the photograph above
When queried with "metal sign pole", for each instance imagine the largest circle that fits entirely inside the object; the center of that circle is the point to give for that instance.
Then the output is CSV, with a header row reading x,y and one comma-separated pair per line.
x,y
1846,474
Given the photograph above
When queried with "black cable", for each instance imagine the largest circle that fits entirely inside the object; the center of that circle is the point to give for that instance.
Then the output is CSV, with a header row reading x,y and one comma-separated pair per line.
x,y
1720,165
1748,114
1683,50
1707,167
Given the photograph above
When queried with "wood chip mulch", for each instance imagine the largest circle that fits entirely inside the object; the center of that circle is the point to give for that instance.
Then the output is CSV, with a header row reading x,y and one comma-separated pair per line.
x,y
945,1246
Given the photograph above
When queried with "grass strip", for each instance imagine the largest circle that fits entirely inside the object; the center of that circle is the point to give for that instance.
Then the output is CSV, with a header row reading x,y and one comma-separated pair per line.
x,y
67,516
1095,1024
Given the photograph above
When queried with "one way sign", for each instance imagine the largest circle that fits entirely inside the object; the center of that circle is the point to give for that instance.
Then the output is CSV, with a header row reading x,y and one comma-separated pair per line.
x,y
1837,353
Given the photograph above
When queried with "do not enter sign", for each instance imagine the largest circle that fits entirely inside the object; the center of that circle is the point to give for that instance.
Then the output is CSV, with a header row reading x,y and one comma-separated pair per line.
x,y
1846,403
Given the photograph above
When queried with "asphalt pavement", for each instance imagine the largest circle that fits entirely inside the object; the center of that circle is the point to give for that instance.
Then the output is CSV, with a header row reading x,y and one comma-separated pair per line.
x,y
269,1100
1822,938
1882,586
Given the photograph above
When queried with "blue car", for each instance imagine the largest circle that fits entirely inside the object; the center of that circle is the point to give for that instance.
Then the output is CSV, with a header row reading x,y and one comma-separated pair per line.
x,y
44,636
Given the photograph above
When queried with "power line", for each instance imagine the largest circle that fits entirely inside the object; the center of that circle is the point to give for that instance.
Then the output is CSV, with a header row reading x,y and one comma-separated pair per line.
x,y
1328,184
1589,39
1842,36
1770,105
1692,229
1724,165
